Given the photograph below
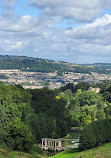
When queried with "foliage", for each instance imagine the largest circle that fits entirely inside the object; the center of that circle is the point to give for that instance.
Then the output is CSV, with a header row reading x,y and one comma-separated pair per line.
x,y
26,116
74,88
15,111
19,136
36,149
51,114
95,134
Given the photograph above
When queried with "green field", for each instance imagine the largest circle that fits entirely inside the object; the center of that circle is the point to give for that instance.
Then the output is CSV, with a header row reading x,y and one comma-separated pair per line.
x,y
103,151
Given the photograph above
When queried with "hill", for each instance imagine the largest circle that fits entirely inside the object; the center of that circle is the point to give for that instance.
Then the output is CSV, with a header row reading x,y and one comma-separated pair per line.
x,y
37,73
103,151
44,65
31,64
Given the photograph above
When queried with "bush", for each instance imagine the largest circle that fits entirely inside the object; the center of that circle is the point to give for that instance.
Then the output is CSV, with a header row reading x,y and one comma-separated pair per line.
x,y
36,150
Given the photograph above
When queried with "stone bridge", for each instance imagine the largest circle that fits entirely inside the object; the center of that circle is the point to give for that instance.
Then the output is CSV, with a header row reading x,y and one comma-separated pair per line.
x,y
55,144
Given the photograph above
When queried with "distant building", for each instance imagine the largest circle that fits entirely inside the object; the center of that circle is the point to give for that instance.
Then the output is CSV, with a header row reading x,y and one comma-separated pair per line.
x,y
97,90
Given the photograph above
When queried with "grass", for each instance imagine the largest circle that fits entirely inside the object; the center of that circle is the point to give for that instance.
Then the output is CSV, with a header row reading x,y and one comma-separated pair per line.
x,y
9,153
103,151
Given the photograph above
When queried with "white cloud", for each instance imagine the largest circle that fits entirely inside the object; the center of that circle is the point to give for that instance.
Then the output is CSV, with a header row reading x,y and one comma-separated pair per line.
x,y
8,45
84,10
98,29
92,41
37,36
14,46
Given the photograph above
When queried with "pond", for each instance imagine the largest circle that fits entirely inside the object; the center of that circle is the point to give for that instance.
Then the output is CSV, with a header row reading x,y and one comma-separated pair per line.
x,y
51,153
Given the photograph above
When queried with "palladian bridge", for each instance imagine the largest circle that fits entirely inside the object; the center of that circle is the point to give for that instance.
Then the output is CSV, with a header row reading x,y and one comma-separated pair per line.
x,y
54,144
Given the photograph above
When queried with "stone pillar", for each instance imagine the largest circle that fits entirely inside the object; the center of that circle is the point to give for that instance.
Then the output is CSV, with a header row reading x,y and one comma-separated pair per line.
x,y
55,143
59,143
45,142
50,143
42,143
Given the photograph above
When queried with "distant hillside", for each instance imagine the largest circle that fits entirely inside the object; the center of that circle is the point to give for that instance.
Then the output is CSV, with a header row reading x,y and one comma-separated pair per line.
x,y
44,65
31,64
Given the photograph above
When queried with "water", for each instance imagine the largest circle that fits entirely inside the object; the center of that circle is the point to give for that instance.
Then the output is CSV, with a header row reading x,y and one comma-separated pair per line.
x,y
51,153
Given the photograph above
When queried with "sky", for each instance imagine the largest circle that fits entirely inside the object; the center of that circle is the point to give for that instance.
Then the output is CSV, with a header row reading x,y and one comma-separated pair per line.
x,y
76,31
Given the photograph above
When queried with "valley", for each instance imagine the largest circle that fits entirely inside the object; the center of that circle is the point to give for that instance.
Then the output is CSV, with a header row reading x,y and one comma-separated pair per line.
x,y
38,73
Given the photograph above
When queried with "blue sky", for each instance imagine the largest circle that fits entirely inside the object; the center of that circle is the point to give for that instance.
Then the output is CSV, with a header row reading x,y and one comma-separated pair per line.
x,y
69,30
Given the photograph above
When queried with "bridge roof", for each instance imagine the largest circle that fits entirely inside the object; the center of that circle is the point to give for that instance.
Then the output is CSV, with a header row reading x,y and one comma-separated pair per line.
x,y
50,139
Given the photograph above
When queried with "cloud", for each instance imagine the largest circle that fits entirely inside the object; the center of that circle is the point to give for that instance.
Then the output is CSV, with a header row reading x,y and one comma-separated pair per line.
x,y
91,41
12,45
36,36
99,29
85,10
8,3
25,33
8,6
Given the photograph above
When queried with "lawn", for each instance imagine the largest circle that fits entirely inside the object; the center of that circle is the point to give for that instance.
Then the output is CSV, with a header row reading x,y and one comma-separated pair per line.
x,y
103,151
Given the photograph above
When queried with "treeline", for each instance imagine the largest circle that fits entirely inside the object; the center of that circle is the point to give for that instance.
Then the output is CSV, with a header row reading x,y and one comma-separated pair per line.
x,y
95,134
26,116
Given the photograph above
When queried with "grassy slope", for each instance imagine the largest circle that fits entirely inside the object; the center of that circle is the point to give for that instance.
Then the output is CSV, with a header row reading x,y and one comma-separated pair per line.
x,y
11,154
8,153
103,151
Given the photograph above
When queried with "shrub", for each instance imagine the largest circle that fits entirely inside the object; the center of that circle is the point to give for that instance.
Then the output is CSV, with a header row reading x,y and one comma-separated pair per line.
x,y
36,150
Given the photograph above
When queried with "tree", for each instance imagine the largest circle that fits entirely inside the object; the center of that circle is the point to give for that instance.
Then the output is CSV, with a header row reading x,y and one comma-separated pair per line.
x,y
15,111
19,136
96,133
101,114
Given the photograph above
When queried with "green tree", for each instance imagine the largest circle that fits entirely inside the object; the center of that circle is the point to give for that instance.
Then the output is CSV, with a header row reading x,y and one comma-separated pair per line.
x,y
101,114
19,136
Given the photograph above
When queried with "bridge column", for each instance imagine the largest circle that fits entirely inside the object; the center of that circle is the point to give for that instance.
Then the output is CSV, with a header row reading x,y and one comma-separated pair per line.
x,y
45,142
54,143
59,144
42,143
51,144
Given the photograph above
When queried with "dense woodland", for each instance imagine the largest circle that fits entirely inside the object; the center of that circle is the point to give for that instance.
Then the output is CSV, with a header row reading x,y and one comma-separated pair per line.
x,y
26,116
